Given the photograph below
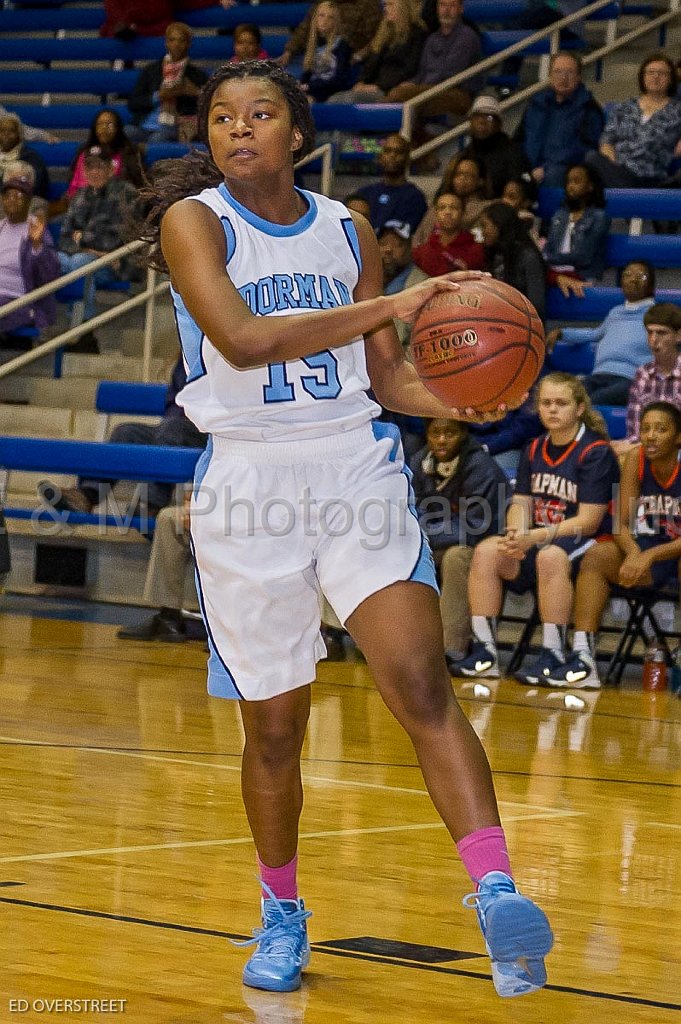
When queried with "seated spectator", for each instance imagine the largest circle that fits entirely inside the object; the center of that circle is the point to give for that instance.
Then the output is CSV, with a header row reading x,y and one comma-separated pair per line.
x,y
174,430
127,19
511,255
560,507
647,547
455,47
358,204
505,439
521,194
360,20
621,341
503,157
392,56
642,135
326,65
461,497
465,178
578,231
13,148
394,198
164,97
561,123
660,379
94,224
31,134
108,132
447,247
27,257
247,44
164,586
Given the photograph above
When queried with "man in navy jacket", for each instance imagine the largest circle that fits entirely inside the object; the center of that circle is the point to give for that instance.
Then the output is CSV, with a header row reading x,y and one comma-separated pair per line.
x,y
561,124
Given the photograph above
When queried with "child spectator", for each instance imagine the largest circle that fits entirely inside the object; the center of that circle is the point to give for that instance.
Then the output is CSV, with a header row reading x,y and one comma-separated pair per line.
x,y
645,551
578,231
248,44
521,194
326,65
461,496
447,247
563,492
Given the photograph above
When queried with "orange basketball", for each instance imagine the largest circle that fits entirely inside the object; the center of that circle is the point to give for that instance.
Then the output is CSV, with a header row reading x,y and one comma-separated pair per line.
x,y
478,347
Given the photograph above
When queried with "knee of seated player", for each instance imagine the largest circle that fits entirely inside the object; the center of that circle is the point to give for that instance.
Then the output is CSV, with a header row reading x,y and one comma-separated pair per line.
x,y
485,556
552,561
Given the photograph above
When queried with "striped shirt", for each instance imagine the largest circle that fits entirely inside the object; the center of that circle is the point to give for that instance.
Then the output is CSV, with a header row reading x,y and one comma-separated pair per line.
x,y
651,385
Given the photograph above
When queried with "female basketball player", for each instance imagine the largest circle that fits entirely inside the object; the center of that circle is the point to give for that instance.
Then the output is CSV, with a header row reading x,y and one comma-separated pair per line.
x,y
301,493
647,548
565,484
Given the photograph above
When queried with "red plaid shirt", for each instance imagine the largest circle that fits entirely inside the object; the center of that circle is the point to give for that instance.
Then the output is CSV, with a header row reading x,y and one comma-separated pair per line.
x,y
651,386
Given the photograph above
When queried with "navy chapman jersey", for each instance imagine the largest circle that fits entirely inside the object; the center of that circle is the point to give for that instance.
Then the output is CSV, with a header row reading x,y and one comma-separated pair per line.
x,y
658,516
280,270
559,478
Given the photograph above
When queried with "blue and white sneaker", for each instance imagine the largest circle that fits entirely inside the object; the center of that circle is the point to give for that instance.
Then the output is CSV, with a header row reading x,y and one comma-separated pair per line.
x,y
579,672
482,662
283,948
517,934
538,672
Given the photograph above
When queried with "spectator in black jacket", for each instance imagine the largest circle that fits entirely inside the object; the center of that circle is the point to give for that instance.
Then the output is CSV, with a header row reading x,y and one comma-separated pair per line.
x,y
503,158
163,100
561,123
461,496
512,256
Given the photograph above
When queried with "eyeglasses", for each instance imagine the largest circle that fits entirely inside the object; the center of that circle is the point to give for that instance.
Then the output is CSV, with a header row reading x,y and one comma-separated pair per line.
x,y
659,73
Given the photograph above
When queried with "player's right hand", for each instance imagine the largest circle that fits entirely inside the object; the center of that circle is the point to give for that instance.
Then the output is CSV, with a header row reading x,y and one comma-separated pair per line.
x,y
406,304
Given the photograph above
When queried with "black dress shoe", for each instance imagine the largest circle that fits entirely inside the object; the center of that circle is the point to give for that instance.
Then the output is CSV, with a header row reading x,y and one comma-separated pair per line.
x,y
333,638
158,627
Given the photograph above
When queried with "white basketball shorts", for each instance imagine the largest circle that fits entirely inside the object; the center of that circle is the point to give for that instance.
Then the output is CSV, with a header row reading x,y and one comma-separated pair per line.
x,y
274,525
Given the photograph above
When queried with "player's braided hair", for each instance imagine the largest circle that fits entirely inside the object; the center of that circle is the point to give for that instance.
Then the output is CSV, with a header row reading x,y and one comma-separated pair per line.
x,y
172,180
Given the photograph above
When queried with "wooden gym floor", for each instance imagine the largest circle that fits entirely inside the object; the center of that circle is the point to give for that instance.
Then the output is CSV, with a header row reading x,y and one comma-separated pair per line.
x,y
126,864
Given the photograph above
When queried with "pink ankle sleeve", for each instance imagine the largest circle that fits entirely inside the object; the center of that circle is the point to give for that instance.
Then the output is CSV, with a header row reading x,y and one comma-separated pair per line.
x,y
282,881
483,851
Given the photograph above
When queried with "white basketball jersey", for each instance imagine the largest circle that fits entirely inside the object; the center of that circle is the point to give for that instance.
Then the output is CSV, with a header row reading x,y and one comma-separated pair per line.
x,y
280,270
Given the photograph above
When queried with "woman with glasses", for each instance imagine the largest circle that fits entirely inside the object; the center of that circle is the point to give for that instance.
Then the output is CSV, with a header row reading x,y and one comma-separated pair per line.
x,y
642,135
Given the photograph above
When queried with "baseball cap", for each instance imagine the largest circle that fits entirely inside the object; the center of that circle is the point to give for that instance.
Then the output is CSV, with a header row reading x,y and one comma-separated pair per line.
x,y
485,105
21,182
96,154
399,227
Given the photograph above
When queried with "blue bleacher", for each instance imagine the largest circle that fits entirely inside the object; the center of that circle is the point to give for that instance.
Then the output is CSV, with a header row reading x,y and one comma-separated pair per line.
x,y
144,48
96,82
131,398
626,203
596,304
615,417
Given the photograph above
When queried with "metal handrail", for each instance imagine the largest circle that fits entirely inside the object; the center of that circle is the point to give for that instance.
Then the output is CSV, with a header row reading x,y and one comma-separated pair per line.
x,y
148,296
530,90
552,30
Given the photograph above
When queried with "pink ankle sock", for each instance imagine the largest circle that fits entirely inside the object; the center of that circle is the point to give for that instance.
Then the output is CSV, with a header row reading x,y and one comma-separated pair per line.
x,y
483,851
282,881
